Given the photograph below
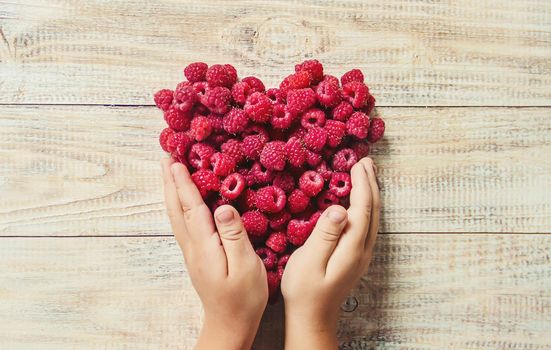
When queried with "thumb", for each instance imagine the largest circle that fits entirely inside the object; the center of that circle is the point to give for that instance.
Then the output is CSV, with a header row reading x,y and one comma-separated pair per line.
x,y
233,236
323,239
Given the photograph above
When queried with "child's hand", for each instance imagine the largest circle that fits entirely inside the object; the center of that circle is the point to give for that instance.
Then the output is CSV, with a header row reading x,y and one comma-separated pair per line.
x,y
319,274
224,269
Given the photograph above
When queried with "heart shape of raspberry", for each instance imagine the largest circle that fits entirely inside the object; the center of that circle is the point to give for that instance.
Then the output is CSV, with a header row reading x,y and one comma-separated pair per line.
x,y
280,156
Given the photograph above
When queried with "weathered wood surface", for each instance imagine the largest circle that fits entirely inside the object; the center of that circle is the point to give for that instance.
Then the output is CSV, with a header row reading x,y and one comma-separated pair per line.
x,y
475,291
413,53
95,171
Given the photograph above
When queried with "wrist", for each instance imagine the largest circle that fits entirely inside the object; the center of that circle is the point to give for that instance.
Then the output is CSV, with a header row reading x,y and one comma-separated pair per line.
x,y
218,333
310,330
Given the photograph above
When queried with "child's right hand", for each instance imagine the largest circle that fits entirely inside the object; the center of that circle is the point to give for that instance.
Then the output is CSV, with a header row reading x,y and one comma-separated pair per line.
x,y
319,274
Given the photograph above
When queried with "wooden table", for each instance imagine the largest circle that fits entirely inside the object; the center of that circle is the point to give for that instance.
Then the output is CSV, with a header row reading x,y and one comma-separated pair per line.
x,y
87,260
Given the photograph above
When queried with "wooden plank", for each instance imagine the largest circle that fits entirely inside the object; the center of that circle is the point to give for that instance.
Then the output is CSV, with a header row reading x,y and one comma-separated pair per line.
x,y
413,53
94,170
478,291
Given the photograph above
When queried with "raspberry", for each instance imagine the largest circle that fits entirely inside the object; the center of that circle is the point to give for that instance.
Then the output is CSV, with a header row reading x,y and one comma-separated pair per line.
x,y
261,175
273,155
342,111
328,94
199,155
281,118
216,122
369,105
179,143
255,223
176,119
219,75
324,171
285,181
295,152
163,99
232,74
313,159
315,217
268,257
256,84
277,242
206,181
240,91
200,88
331,79
217,99
278,220
314,67
352,75
326,199
252,146
344,159
195,72
298,231
232,186
235,121
312,118
298,101
184,96
273,284
299,80
281,263
218,203
311,183
200,127
335,132
340,184
376,131
361,149
356,93
258,107
217,140
297,201
233,148
256,129
315,139
165,135
248,199
358,125
275,95
222,164
270,199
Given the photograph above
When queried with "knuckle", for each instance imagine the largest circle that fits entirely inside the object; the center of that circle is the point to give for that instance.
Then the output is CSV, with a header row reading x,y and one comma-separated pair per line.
x,y
329,234
232,233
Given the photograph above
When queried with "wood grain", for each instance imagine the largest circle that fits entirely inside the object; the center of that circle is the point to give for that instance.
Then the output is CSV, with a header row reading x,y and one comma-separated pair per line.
x,y
423,292
413,53
95,171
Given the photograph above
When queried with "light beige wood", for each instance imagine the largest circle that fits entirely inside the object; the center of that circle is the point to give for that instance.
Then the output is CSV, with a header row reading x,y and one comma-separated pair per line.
x,y
95,171
413,53
423,292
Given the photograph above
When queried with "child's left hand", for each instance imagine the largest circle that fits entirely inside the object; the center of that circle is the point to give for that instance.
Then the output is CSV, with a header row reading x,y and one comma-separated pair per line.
x,y
224,269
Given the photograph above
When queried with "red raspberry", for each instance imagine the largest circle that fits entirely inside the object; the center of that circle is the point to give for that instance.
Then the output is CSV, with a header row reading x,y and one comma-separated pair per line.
x,y
298,132
273,155
314,117
176,119
216,122
217,140
331,79
275,95
298,101
340,184
200,127
356,93
268,257
328,94
258,107
233,148
235,121
179,143
314,67
255,223
324,170
261,175
361,149
281,118
165,135
270,199
297,201
222,164
218,203
184,96
370,105
256,84
232,186
342,111
326,199
240,91
277,242
256,129
200,89
206,181
311,183
285,181
232,73
219,75
335,132
248,199
199,155
217,99
196,72
278,220
299,80
315,139
313,159
295,152
281,263
376,131
252,146
358,125
344,159
273,284
352,75
315,217
163,98
298,231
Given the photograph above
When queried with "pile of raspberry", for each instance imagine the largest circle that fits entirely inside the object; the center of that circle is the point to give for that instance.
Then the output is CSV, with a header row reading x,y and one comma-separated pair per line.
x,y
280,156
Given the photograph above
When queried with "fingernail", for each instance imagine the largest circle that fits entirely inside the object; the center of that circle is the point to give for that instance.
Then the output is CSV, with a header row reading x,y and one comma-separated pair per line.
x,y
225,216
337,216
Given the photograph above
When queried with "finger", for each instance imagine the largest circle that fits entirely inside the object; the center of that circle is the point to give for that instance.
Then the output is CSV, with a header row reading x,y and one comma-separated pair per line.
x,y
234,238
197,215
359,212
172,202
323,240
375,208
